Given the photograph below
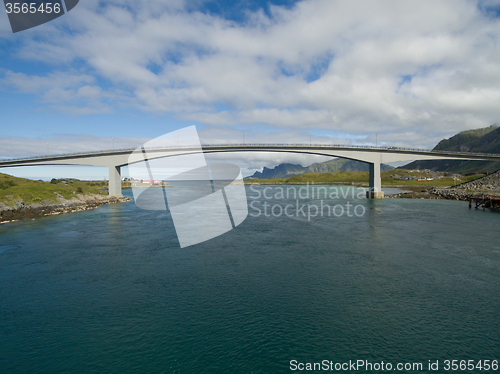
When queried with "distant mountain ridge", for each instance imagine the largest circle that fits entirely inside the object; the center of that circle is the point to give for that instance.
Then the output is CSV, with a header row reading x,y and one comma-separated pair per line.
x,y
281,171
332,166
484,140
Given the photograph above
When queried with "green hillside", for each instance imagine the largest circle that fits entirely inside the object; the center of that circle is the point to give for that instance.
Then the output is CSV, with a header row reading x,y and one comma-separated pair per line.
x,y
389,178
341,164
30,191
485,140
463,140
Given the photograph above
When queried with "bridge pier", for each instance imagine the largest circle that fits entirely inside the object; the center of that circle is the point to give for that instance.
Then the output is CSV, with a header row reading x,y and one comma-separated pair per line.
x,y
375,191
115,181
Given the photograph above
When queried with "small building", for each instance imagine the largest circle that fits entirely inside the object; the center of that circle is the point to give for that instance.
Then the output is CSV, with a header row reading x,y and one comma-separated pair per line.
x,y
153,182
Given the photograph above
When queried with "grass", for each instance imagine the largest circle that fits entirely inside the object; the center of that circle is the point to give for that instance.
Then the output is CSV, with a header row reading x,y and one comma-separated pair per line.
x,y
388,179
30,191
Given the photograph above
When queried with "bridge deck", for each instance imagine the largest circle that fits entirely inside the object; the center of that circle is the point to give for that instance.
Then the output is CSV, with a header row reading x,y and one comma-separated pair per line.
x,y
251,147
374,156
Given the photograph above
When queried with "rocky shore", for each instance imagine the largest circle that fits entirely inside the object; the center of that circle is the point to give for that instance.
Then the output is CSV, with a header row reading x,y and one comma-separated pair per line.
x,y
21,210
488,186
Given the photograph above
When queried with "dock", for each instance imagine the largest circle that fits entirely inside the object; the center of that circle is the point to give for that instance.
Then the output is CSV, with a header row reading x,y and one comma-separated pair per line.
x,y
485,201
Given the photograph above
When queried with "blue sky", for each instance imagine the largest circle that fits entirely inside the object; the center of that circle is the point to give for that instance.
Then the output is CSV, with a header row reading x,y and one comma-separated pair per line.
x,y
124,71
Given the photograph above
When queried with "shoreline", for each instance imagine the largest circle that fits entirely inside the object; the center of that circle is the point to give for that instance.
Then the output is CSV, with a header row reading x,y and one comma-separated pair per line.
x,y
356,184
463,192
24,211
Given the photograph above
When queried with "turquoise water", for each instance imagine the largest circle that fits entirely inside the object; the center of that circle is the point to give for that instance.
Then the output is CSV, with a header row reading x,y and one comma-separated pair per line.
x,y
110,291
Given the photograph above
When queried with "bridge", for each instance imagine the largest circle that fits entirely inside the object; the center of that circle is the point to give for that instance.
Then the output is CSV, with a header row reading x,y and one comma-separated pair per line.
x,y
114,160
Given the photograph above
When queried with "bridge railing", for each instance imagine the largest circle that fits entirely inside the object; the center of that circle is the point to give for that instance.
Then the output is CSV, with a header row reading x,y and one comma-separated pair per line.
x,y
249,145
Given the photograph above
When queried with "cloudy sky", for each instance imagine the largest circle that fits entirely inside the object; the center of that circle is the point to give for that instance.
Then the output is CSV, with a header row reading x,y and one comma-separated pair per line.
x,y
117,73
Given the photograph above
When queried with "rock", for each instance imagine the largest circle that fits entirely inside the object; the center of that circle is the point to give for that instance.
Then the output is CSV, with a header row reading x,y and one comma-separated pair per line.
x,y
488,185
21,210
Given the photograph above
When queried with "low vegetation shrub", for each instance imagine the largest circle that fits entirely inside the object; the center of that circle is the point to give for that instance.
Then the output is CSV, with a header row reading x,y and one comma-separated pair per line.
x,y
6,184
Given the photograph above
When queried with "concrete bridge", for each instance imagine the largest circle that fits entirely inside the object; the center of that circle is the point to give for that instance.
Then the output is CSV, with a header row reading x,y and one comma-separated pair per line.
x,y
374,156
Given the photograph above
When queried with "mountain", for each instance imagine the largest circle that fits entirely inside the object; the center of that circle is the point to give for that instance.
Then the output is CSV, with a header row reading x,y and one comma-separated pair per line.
x,y
280,171
341,164
485,140
479,140
331,166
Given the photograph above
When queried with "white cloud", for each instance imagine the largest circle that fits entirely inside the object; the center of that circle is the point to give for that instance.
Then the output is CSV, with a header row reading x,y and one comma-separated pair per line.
x,y
404,68
68,92
62,144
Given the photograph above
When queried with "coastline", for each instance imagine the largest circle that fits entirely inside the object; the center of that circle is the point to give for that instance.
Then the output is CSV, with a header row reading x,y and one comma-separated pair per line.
x,y
22,211
488,186
485,187
356,184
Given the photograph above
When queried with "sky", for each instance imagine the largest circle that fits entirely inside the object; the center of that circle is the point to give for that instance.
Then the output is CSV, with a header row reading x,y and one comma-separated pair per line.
x,y
114,74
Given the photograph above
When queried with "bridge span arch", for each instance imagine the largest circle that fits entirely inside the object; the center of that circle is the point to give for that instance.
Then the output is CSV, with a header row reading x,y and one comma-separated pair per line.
x,y
114,160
